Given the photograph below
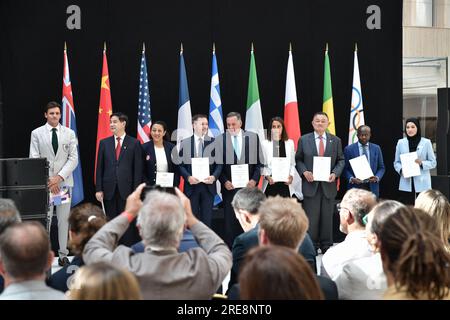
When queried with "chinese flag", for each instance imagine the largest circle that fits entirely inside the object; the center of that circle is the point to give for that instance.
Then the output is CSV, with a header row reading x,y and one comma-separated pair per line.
x,y
104,109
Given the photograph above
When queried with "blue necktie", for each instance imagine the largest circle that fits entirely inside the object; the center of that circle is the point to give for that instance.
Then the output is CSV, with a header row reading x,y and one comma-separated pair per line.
x,y
364,148
237,150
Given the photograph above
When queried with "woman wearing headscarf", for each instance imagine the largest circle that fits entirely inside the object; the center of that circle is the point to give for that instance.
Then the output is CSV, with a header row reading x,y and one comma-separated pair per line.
x,y
413,141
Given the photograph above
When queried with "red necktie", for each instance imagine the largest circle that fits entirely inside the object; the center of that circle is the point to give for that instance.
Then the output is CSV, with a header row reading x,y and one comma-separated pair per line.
x,y
118,147
321,146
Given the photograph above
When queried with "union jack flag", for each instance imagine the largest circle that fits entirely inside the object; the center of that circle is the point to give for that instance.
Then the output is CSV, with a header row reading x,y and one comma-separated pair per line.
x,y
144,111
68,120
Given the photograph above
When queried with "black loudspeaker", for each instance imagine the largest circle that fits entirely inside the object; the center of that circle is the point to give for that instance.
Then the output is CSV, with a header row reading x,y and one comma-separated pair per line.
x,y
25,182
441,182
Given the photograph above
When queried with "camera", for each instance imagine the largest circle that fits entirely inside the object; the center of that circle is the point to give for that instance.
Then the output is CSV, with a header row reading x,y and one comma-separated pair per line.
x,y
149,188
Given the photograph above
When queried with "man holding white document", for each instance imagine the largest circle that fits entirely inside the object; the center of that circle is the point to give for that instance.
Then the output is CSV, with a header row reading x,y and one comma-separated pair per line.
x,y
199,169
242,162
364,165
319,159
58,144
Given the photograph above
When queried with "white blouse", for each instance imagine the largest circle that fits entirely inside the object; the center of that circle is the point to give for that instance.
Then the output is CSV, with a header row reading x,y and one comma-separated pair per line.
x,y
161,160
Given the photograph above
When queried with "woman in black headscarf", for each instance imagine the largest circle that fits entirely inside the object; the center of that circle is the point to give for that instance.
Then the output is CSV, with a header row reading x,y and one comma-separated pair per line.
x,y
409,186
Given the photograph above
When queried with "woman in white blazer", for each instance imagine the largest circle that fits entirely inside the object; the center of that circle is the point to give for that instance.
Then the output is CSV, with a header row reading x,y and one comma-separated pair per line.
x,y
426,159
278,145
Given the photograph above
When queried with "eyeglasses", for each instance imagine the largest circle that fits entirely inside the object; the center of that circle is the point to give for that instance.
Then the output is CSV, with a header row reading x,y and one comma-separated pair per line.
x,y
364,219
339,208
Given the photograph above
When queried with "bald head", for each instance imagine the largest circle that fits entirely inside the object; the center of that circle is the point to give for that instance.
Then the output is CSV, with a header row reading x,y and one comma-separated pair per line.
x,y
25,250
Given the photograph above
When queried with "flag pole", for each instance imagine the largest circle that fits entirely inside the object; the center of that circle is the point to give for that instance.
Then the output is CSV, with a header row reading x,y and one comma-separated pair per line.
x,y
104,46
326,47
181,48
290,46
356,46
252,47
143,47
65,46
214,47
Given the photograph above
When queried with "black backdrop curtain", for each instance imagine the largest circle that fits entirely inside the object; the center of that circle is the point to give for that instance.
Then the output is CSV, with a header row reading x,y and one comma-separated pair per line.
x,y
32,35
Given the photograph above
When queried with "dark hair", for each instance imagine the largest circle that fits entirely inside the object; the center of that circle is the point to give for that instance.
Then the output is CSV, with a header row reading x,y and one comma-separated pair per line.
x,y
277,273
284,135
51,105
198,116
413,252
162,124
122,117
381,212
234,114
361,127
24,249
85,220
320,113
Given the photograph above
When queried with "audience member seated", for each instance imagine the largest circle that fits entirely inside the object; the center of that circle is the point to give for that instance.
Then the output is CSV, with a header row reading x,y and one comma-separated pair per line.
x,y
283,222
8,216
25,257
415,261
277,273
84,221
364,278
246,203
104,281
162,272
436,204
355,205
187,242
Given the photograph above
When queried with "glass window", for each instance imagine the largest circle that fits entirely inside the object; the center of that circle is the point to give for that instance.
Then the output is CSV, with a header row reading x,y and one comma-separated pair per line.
x,y
421,78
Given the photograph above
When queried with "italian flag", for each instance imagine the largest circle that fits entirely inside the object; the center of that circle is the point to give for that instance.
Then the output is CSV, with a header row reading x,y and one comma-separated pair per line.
x,y
253,117
328,94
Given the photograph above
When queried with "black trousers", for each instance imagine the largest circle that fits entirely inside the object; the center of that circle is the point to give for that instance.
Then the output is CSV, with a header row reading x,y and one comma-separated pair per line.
x,y
319,211
113,208
232,225
202,202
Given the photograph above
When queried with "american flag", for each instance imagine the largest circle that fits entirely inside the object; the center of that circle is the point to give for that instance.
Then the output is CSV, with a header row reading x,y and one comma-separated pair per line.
x,y
144,113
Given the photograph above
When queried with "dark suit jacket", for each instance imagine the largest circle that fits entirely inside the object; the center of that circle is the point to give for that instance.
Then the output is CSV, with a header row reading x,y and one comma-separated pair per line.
x,y
126,172
306,152
58,280
251,154
376,164
150,162
187,151
247,240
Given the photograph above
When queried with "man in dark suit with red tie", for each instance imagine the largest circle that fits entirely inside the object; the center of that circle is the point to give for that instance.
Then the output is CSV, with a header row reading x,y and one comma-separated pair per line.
x,y
319,196
201,193
119,171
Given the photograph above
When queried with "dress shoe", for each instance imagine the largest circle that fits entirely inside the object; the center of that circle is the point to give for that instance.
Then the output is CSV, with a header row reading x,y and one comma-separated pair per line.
x,y
63,261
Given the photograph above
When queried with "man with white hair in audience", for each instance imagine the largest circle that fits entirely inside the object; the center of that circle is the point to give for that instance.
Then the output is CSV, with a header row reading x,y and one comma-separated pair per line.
x,y
364,279
162,272
25,257
8,216
353,210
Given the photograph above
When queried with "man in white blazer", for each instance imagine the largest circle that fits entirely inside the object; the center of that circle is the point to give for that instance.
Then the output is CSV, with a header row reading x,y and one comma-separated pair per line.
x,y
59,145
